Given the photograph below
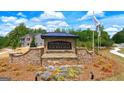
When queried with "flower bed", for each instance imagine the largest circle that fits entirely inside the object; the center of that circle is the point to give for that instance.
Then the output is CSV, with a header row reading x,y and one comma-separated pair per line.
x,y
59,73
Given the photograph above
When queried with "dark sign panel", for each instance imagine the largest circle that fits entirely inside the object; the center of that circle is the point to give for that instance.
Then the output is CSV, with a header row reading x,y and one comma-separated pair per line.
x,y
59,45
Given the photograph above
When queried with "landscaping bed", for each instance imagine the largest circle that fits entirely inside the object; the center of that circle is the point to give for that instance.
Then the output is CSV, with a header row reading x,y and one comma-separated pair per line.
x,y
101,67
119,63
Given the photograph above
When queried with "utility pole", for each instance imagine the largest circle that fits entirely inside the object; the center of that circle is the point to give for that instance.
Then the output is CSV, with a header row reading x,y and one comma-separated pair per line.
x,y
93,45
97,25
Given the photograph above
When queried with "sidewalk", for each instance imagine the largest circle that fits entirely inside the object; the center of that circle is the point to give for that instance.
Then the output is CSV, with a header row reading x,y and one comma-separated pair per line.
x,y
6,51
115,51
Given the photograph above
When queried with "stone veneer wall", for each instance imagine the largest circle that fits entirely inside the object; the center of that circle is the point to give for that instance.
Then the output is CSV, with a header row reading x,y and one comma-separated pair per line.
x,y
82,57
32,56
60,61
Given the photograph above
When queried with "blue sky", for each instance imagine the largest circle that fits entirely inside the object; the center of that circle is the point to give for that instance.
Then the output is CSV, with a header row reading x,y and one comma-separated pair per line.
x,y
113,21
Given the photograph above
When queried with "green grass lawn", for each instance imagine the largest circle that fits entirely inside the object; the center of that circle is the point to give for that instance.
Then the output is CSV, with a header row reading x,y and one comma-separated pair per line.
x,y
122,50
120,61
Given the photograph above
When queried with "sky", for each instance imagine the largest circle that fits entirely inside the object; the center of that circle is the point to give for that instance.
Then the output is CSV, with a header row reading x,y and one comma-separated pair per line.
x,y
113,21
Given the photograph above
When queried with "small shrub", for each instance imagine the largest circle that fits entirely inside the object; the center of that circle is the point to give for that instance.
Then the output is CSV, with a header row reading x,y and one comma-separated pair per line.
x,y
3,69
72,73
3,64
14,69
17,73
96,65
100,62
31,68
60,78
106,69
109,65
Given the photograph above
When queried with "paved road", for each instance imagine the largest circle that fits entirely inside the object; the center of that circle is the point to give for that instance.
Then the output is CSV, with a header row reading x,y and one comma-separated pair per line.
x,y
115,51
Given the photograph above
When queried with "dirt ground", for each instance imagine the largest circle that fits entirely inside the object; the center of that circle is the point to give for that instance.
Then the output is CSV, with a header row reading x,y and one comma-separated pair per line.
x,y
101,67
100,70
120,62
23,72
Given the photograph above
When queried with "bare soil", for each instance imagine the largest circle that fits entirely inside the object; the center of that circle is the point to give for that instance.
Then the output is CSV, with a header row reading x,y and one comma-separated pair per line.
x,y
100,67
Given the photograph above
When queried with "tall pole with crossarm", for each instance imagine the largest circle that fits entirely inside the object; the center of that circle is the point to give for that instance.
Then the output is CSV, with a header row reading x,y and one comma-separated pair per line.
x,y
93,45
97,24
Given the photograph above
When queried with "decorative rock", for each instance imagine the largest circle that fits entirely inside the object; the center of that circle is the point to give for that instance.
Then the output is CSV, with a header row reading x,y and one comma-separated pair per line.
x,y
5,79
50,68
45,76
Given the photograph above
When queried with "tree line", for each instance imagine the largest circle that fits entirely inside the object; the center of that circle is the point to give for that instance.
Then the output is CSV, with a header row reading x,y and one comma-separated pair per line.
x,y
12,39
119,37
86,37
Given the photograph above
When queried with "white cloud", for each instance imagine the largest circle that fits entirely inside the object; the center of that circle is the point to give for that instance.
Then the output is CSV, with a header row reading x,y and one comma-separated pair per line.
x,y
116,26
21,14
8,19
52,25
35,19
89,14
113,24
21,20
57,24
52,15
85,26
63,24
43,21
49,25
111,29
99,13
48,15
111,34
13,20
3,34
38,26
5,28
8,24
115,21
